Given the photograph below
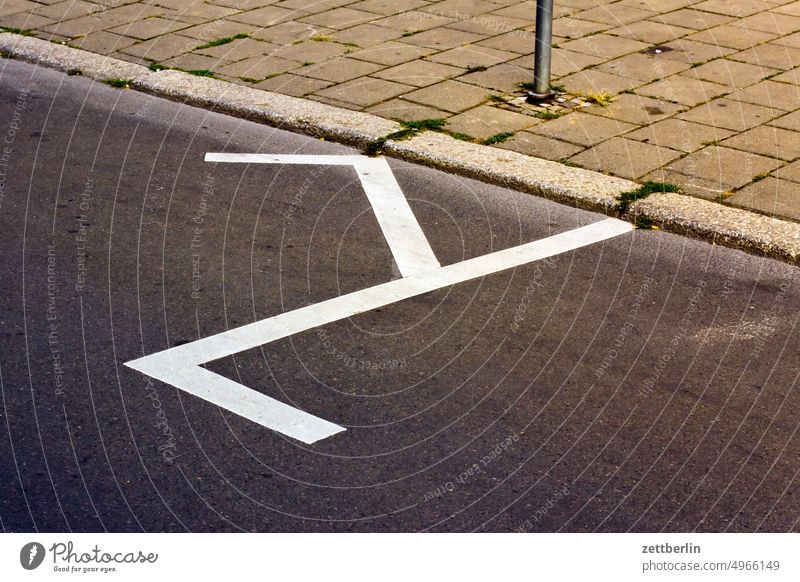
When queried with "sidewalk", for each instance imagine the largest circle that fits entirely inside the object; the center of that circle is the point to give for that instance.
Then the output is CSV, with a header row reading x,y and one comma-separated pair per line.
x,y
702,94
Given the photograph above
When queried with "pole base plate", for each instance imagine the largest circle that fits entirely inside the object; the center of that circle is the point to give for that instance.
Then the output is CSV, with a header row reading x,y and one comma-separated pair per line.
x,y
534,97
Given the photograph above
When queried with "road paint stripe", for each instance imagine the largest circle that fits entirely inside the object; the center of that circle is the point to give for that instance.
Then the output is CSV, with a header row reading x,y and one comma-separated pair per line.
x,y
239,399
407,241
309,160
403,234
178,366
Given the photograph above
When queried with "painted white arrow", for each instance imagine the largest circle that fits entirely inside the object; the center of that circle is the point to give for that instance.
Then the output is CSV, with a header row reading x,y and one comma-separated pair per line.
x,y
181,366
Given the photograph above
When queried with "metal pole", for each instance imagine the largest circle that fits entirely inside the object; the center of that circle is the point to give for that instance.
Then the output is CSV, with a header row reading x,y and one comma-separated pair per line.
x,y
543,51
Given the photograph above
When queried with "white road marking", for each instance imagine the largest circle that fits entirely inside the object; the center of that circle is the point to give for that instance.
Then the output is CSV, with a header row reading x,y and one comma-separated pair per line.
x,y
403,234
181,366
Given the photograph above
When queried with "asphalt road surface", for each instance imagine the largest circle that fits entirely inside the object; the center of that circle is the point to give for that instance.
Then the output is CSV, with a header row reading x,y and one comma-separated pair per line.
x,y
640,382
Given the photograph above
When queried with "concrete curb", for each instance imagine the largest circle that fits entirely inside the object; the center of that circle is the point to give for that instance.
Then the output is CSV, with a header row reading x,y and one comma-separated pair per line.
x,y
583,188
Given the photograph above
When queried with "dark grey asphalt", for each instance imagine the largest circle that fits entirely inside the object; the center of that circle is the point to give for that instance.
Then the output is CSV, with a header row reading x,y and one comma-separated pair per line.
x,y
648,383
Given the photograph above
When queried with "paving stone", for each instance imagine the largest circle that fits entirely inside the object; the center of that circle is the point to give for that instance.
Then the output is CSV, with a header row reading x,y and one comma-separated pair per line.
x,y
573,28
413,21
635,109
294,85
515,41
642,67
736,9
339,70
731,36
149,28
730,73
460,8
485,121
220,29
472,55
692,52
451,96
311,51
768,22
789,172
651,32
790,121
13,6
691,185
792,77
565,62
26,21
314,7
593,81
162,48
260,67
731,114
365,35
75,27
65,10
407,111
624,157
525,9
610,14
489,24
540,146
604,46
442,38
770,196
767,141
192,62
418,73
364,91
197,11
770,94
582,129
505,77
390,53
388,7
728,167
694,19
792,8
792,40
654,5
679,134
266,16
340,18
239,49
684,90
103,42
771,55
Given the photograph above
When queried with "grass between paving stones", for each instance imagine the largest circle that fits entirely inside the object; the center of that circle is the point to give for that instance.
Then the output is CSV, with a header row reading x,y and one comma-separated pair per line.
x,y
497,138
644,223
199,73
627,198
412,128
221,41
15,30
156,67
547,115
602,98
119,83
